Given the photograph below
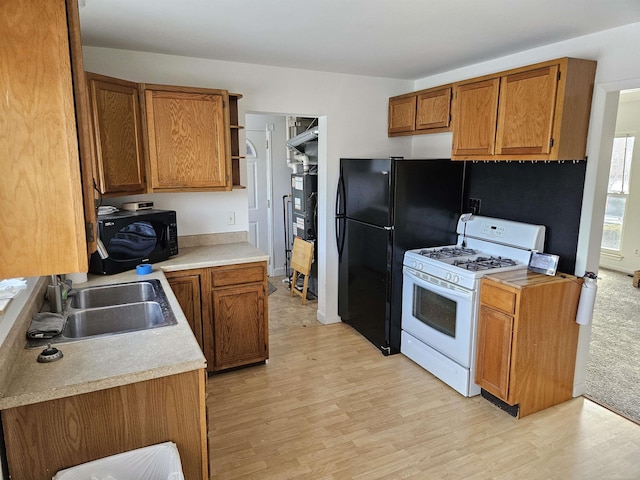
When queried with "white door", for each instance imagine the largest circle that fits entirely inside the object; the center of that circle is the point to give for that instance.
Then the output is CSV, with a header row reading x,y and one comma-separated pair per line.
x,y
258,191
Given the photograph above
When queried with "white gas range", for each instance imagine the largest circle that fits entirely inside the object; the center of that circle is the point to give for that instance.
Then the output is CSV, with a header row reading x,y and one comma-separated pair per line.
x,y
440,293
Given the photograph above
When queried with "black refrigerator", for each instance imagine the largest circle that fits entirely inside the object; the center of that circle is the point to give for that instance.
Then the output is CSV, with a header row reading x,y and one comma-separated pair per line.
x,y
383,208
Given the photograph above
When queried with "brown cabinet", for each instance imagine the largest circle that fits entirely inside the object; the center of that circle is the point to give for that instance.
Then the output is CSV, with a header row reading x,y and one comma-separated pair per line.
x,y
239,301
43,228
402,115
46,437
187,287
188,138
425,111
527,338
227,309
433,110
117,130
539,112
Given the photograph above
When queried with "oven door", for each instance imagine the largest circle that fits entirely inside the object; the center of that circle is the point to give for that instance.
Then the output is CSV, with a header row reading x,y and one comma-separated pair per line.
x,y
439,313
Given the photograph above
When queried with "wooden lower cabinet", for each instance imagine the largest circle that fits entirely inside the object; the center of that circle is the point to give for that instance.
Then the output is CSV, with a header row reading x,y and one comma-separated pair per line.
x,y
187,287
46,437
227,308
527,338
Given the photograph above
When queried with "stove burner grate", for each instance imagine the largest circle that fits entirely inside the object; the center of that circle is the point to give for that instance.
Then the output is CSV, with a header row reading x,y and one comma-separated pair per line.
x,y
484,263
447,252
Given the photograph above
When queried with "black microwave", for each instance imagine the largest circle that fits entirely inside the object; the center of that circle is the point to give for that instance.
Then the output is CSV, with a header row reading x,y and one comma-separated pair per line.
x,y
132,238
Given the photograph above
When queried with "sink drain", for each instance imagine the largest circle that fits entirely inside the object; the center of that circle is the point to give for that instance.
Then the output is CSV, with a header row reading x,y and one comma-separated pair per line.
x,y
49,354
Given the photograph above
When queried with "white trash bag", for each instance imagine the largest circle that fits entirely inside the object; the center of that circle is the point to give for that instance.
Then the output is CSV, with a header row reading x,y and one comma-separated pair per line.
x,y
156,462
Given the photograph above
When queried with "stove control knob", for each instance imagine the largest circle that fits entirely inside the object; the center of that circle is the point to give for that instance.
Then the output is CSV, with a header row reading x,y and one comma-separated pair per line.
x,y
414,264
420,266
448,276
456,279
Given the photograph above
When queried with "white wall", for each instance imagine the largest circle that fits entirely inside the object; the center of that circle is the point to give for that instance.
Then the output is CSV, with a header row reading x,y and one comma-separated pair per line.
x,y
618,68
628,123
353,111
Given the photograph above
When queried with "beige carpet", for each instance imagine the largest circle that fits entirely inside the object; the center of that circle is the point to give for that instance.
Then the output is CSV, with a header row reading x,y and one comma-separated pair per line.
x,y
613,371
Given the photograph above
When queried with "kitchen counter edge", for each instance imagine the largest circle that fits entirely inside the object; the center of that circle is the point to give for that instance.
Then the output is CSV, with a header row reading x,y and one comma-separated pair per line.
x,y
107,362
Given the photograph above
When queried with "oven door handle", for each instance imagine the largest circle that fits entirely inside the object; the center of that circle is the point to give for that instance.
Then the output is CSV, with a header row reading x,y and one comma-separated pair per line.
x,y
450,292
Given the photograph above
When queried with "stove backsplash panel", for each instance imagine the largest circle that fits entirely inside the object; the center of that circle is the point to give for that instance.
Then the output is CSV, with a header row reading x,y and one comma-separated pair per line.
x,y
548,194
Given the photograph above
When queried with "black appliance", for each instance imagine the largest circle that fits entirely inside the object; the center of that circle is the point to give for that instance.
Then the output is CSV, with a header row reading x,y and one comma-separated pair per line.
x,y
132,238
304,201
383,208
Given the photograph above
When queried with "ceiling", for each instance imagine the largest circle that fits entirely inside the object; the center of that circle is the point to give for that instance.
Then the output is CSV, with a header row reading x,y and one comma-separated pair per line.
x,y
405,39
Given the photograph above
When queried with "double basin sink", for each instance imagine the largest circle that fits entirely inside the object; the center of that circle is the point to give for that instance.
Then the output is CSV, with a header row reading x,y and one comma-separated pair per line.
x,y
112,309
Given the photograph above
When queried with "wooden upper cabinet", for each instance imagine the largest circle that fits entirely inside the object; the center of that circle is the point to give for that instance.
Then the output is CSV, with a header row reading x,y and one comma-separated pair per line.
x,y
42,216
188,138
117,125
433,110
539,112
402,115
425,111
527,106
474,119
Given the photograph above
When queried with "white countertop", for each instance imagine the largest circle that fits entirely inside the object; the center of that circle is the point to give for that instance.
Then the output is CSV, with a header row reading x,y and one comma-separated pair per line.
x,y
105,362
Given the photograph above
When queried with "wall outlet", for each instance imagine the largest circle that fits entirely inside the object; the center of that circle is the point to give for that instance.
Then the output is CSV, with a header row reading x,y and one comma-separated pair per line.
x,y
474,206
636,252
231,218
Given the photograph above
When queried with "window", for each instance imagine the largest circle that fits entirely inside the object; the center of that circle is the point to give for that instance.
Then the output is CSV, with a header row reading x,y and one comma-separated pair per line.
x,y
617,192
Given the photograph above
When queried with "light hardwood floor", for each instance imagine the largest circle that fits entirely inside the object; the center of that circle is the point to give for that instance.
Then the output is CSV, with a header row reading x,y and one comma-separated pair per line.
x,y
329,406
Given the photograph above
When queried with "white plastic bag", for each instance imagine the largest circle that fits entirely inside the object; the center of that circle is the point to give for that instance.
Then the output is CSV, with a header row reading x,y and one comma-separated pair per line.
x,y
156,462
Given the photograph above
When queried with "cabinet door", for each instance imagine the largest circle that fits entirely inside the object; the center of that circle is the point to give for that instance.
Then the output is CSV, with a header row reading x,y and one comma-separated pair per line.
x,y
42,219
188,140
474,131
402,115
115,110
527,108
495,330
187,290
240,336
433,110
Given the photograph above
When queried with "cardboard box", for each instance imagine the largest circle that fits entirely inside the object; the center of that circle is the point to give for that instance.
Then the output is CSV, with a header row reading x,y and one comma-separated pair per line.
x,y
636,279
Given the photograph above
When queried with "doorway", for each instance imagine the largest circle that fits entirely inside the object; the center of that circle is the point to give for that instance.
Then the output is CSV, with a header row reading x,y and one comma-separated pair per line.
x,y
271,186
613,369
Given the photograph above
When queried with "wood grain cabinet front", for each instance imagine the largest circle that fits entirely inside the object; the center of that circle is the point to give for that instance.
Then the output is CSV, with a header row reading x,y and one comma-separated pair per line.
x,y
425,111
538,112
43,438
527,338
188,138
187,287
402,115
227,308
41,193
117,130
433,110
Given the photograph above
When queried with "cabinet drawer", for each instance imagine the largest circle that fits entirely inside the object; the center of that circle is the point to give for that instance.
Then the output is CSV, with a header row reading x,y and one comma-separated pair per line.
x,y
498,298
235,275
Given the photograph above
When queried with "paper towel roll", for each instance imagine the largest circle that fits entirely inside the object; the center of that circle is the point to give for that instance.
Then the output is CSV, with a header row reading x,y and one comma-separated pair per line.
x,y
587,301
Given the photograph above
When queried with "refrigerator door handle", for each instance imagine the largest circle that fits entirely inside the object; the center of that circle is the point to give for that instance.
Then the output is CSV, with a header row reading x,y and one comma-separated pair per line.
x,y
340,197
340,235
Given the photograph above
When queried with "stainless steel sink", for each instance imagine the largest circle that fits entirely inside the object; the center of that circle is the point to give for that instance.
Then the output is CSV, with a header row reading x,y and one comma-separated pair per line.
x,y
109,295
115,319
111,310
